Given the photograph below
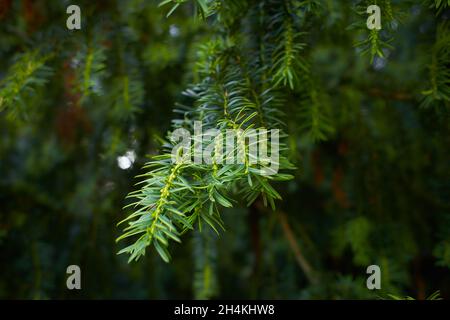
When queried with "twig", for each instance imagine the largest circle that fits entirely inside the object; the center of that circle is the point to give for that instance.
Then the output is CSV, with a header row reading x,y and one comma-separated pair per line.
x,y
290,236
302,262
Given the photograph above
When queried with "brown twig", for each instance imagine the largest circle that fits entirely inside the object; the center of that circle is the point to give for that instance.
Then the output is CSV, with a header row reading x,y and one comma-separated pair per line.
x,y
290,237
301,260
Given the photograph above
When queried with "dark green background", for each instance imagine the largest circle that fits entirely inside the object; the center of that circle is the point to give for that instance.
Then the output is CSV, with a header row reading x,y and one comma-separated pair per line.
x,y
376,192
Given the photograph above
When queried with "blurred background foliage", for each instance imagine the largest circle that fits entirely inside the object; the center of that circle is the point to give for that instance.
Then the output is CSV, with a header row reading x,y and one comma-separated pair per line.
x,y
80,111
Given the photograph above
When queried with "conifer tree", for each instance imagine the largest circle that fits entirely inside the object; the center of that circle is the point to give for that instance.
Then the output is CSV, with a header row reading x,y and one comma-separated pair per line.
x,y
362,176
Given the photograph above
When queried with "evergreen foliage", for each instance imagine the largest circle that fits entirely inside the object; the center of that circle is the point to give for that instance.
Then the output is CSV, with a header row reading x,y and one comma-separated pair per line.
x,y
364,147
